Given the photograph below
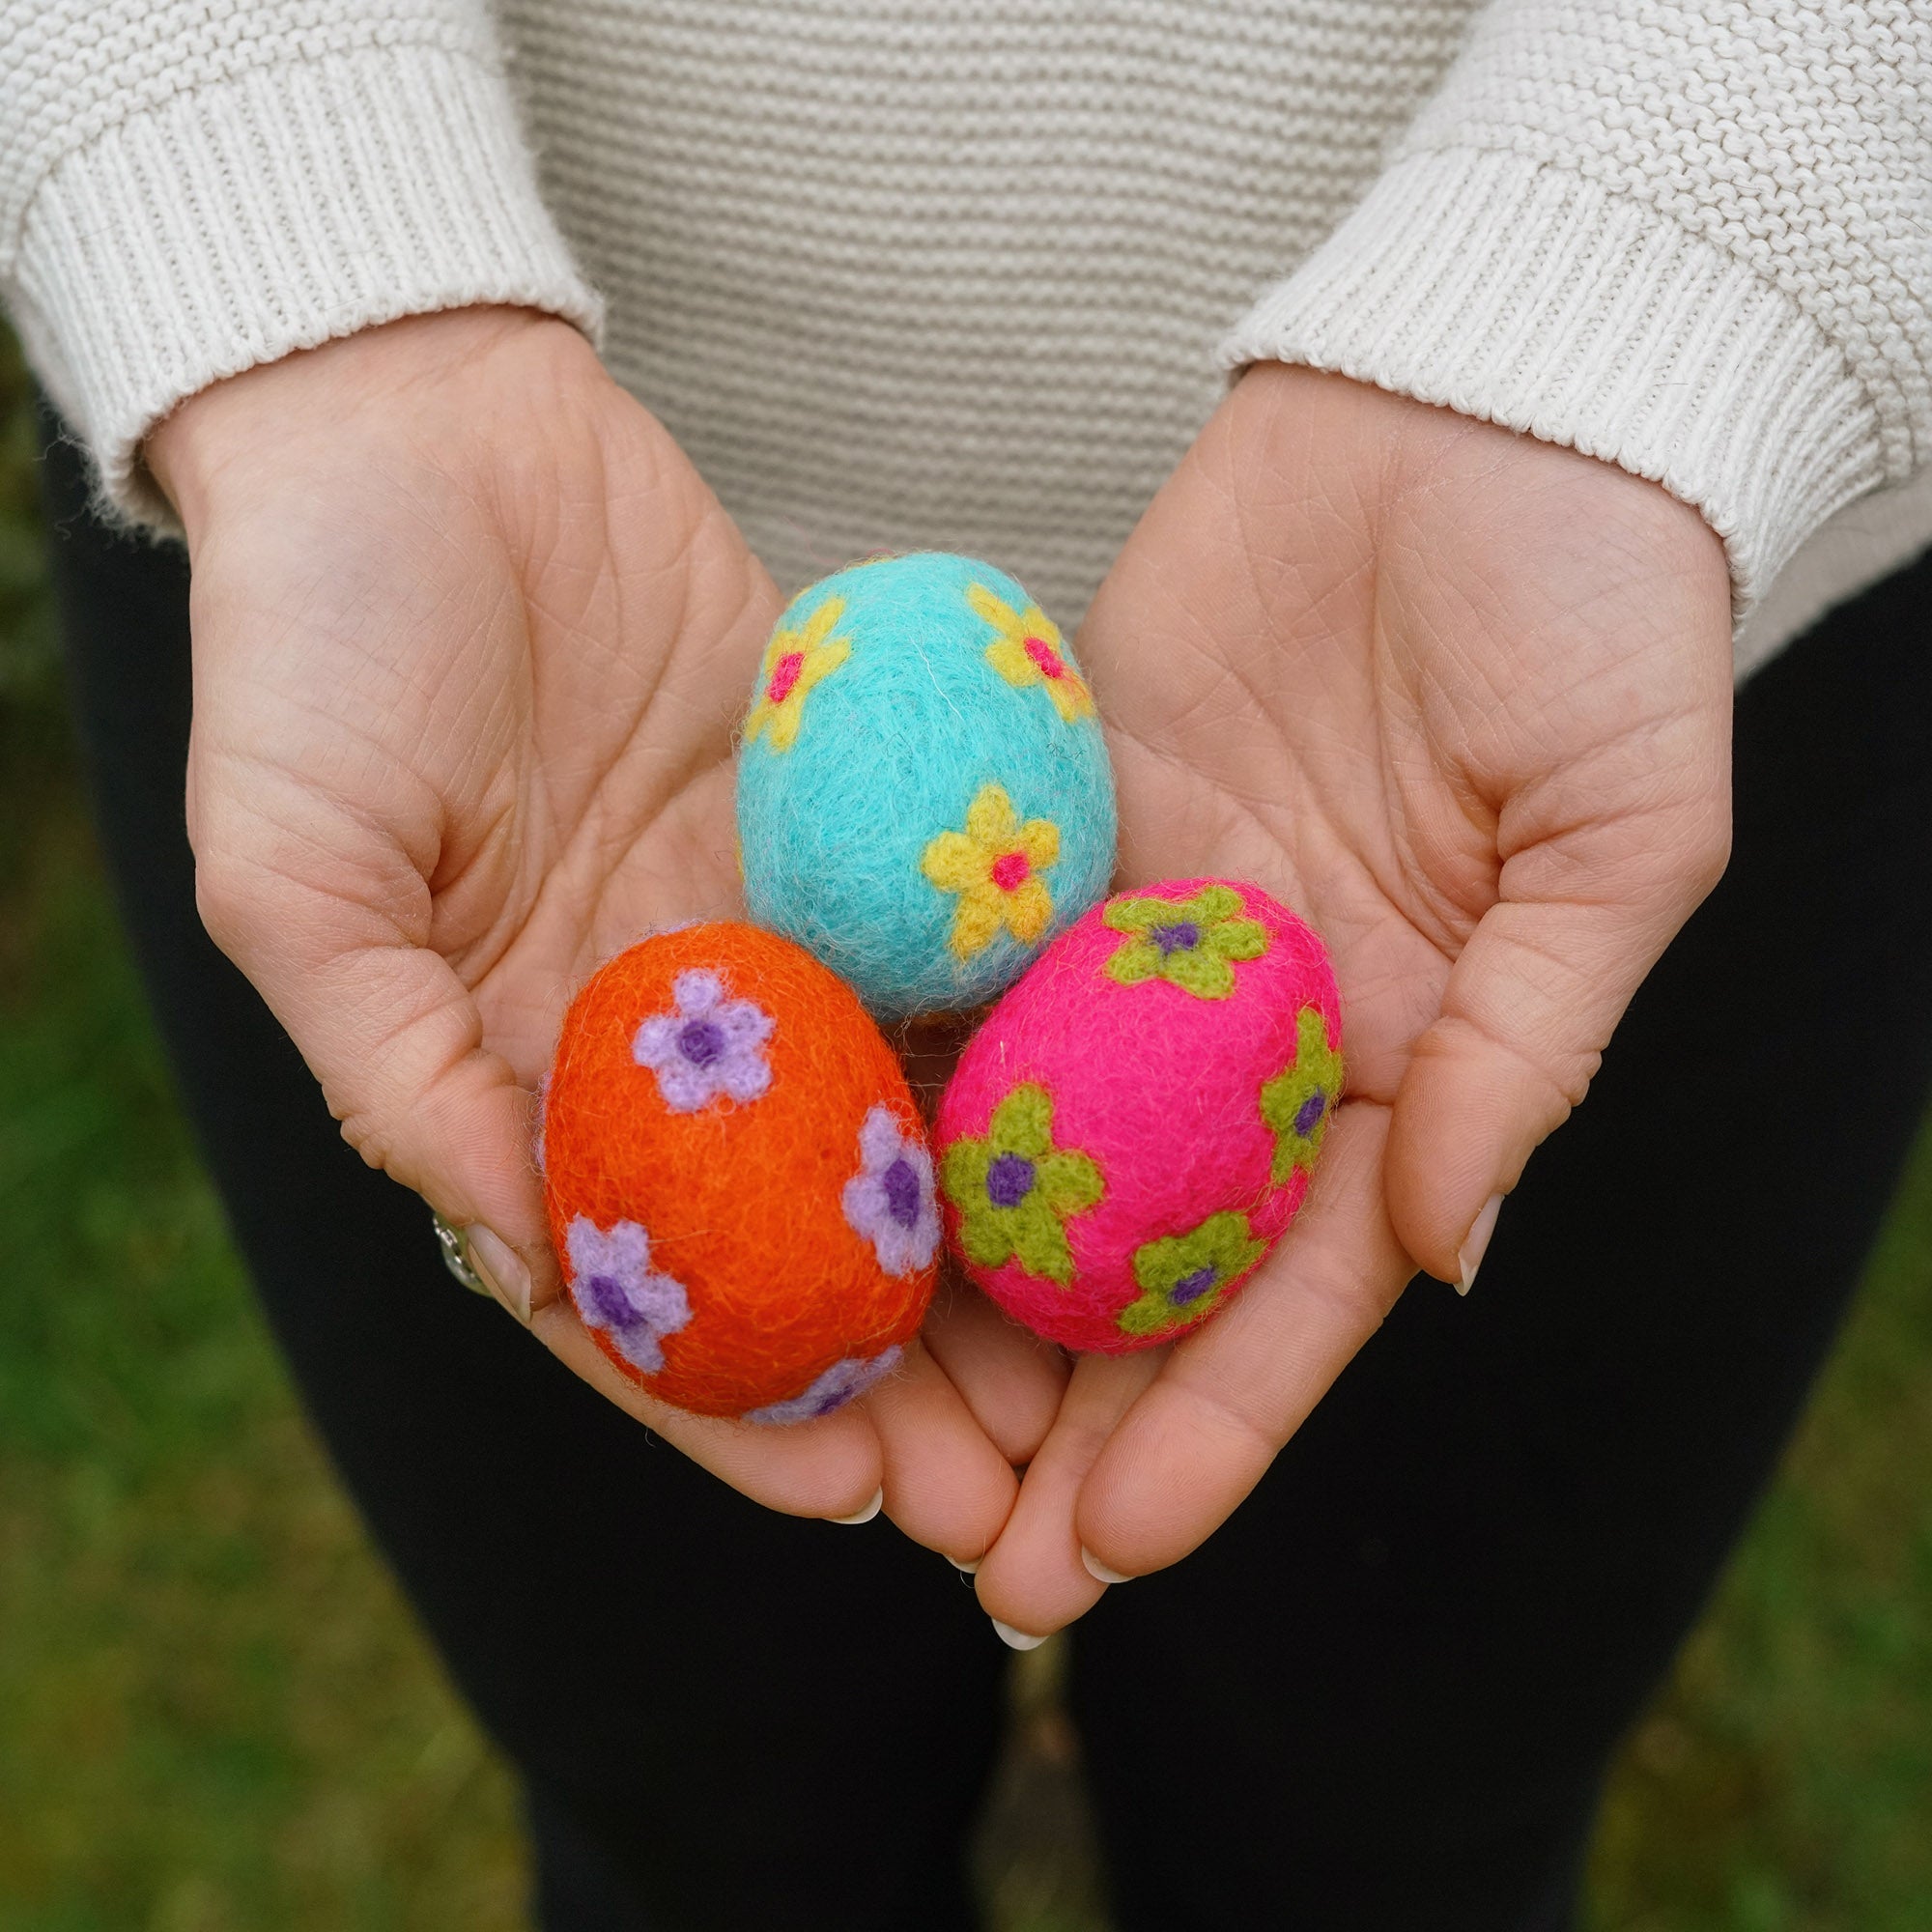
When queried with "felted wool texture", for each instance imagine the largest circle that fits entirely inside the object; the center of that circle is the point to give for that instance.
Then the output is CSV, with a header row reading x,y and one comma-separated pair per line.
x,y
925,797
1179,1052
720,1130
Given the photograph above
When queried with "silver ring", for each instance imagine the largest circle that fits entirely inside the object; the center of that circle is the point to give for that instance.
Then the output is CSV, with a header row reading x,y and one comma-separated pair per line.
x,y
455,1246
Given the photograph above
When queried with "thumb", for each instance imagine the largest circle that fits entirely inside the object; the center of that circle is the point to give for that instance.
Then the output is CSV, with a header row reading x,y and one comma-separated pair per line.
x,y
331,926
1529,1006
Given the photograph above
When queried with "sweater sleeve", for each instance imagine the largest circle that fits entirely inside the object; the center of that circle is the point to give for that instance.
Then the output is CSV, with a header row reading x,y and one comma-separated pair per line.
x,y
189,188
1694,238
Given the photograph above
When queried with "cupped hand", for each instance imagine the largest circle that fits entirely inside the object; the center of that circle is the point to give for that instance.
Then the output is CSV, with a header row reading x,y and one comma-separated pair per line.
x,y
1462,699
469,639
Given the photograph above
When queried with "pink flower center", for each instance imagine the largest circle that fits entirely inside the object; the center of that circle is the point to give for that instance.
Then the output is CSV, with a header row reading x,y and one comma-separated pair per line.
x,y
784,675
1011,869
1046,656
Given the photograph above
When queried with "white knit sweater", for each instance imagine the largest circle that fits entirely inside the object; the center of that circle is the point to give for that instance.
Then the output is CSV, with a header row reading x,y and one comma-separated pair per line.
x,y
965,273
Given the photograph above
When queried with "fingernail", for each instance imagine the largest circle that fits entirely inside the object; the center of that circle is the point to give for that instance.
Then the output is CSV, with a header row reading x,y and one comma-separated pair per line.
x,y
1469,1257
867,1513
971,1568
1099,1572
1015,1639
502,1267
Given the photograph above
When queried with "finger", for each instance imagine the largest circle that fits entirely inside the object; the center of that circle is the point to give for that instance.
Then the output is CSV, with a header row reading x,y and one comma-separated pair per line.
x,y
1011,1381
1528,1007
947,1485
328,913
1009,1378
1200,1437
830,1467
1035,1581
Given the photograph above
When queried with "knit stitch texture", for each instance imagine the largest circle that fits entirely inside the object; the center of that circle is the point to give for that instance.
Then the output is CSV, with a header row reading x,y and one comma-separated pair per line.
x,y
1695,238
188,188
903,275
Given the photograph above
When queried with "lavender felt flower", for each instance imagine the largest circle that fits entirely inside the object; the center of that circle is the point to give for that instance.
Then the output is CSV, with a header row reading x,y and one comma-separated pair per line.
x,y
834,1389
890,1202
617,1289
711,1046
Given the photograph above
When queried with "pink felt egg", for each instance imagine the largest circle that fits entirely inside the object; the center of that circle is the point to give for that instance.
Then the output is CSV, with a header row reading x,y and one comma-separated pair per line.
x,y
1138,1120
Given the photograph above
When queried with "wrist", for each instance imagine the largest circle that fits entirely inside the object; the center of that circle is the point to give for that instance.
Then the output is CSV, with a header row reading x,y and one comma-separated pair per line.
x,y
1289,419
220,439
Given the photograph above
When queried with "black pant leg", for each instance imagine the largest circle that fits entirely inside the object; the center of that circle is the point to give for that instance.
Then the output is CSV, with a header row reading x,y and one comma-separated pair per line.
x,y
727,1718
1383,1698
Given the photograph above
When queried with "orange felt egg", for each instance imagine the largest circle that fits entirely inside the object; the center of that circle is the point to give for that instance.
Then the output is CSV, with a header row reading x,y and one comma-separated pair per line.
x,y
738,1184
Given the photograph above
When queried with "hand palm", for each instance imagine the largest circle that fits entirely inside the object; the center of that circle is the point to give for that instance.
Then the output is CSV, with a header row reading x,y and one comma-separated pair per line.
x,y
465,698
595,621
1463,700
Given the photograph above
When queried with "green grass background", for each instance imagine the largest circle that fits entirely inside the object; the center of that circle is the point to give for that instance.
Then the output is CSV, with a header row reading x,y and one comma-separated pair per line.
x,y
215,1714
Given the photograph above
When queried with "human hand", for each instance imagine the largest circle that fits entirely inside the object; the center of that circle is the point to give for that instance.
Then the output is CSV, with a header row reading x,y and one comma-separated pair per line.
x,y
1463,700
471,637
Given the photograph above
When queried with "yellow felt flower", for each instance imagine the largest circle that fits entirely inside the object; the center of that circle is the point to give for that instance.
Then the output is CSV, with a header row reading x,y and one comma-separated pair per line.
x,y
1028,650
794,662
994,866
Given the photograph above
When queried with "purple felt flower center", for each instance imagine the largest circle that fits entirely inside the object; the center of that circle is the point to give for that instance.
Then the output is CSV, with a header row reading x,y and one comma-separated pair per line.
x,y
700,1041
901,1185
1192,1287
611,1305
619,1293
1309,1116
889,1202
1183,936
834,1389
1008,1179
710,1047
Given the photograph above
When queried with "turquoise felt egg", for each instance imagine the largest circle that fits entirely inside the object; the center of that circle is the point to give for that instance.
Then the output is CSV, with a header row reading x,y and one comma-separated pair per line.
x,y
923,792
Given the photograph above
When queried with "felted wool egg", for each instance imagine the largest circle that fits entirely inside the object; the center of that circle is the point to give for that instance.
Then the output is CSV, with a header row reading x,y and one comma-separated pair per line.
x,y
737,1182
923,792
1136,1122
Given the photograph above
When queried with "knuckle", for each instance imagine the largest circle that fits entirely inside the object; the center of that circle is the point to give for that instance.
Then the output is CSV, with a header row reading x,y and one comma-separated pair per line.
x,y
366,1134
1555,1081
1560,1084
1237,1423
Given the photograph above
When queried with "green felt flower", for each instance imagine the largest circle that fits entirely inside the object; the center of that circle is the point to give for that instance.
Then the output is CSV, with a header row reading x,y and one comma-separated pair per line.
x,y
1297,1103
1015,1189
1183,1276
1192,943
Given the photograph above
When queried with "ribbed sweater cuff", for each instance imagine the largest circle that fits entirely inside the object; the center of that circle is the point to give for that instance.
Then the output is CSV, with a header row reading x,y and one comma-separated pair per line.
x,y
1532,297
248,219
